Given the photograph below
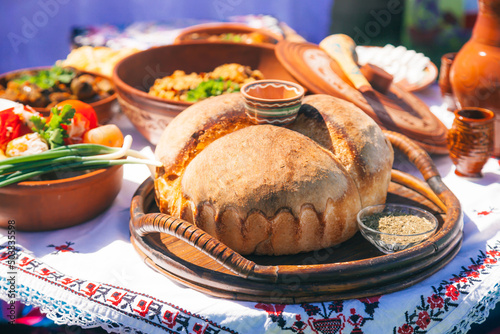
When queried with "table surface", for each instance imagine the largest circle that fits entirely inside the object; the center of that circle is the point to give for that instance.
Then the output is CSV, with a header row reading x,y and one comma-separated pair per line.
x,y
90,275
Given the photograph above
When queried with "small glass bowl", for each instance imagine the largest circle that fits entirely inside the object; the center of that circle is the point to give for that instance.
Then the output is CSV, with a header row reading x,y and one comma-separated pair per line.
x,y
389,243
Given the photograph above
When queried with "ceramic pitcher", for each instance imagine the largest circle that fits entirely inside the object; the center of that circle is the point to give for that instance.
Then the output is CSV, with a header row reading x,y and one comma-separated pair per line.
x,y
475,73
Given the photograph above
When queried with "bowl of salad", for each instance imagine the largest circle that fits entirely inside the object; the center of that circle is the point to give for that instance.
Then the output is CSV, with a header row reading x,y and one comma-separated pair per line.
x,y
61,169
44,87
155,85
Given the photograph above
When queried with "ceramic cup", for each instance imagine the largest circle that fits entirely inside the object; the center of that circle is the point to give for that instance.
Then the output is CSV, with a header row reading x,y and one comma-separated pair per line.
x,y
444,80
274,102
470,140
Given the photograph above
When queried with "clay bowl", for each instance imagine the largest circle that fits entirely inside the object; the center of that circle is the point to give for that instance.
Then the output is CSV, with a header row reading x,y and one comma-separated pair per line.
x,y
104,108
135,74
208,32
49,205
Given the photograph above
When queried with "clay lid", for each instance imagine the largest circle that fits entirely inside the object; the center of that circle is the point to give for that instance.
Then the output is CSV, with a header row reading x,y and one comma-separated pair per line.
x,y
397,110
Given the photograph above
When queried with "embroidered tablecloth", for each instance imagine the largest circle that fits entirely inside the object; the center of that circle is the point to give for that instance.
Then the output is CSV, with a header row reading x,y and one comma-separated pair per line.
x,y
90,275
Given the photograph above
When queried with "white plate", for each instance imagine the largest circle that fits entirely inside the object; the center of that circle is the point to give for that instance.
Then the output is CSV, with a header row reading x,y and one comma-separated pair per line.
x,y
411,70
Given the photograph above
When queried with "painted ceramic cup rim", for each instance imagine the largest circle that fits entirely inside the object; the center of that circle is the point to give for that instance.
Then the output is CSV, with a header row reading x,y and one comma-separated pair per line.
x,y
487,114
300,91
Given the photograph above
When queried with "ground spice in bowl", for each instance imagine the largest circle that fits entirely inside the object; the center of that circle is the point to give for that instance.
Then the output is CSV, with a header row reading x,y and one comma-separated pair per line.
x,y
392,227
400,227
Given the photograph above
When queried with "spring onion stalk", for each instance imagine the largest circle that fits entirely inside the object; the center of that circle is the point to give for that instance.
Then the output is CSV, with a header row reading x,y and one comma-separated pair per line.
x,y
58,162
76,149
39,164
127,143
139,155
72,157
84,165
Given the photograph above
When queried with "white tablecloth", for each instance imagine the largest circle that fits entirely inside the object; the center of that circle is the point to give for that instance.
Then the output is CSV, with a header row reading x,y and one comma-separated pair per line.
x,y
90,275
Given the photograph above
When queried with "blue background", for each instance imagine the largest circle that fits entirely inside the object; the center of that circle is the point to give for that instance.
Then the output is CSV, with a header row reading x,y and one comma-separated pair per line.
x,y
38,32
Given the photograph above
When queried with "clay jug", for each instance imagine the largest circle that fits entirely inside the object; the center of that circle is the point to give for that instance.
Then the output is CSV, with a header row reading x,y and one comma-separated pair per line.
x,y
475,73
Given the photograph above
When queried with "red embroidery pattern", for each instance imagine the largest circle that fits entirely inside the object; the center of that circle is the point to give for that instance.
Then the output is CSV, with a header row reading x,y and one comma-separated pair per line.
x,y
487,212
63,248
271,309
433,308
484,213
324,318
148,309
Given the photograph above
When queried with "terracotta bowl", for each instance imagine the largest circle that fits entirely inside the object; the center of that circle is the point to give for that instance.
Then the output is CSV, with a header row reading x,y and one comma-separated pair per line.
x,y
200,33
272,101
104,108
49,205
135,74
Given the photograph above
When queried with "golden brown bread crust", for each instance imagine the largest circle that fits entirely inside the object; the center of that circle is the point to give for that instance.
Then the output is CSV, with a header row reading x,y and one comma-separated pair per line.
x,y
205,168
355,140
278,174
187,135
198,125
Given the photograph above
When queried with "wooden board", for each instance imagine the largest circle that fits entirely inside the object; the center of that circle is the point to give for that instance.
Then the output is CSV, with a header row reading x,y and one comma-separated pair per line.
x,y
354,269
398,110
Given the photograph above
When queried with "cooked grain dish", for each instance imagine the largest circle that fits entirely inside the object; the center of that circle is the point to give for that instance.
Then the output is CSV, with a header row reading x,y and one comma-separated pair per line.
x,y
192,87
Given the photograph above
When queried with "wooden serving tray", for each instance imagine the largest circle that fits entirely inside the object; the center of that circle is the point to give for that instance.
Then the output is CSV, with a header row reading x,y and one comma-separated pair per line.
x,y
398,110
355,269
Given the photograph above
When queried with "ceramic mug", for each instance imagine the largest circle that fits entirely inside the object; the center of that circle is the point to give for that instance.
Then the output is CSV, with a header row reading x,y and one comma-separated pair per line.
x,y
444,80
470,140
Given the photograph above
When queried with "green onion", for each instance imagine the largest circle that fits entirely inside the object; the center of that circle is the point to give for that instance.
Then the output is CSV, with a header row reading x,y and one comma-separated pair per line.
x,y
72,157
61,151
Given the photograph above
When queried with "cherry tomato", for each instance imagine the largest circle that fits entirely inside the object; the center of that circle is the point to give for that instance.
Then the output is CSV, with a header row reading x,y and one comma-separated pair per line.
x,y
82,108
85,119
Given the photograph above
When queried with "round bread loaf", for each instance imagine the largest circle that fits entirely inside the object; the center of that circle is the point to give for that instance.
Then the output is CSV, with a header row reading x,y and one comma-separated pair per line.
x,y
354,139
272,190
